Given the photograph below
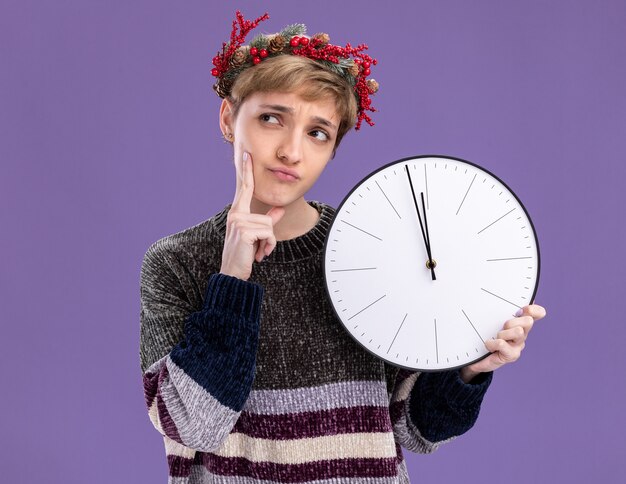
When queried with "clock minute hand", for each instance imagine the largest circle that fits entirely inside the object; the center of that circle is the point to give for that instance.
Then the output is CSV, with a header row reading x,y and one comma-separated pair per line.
x,y
406,167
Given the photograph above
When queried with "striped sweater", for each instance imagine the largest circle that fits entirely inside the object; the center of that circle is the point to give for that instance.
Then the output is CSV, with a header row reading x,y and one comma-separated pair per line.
x,y
257,381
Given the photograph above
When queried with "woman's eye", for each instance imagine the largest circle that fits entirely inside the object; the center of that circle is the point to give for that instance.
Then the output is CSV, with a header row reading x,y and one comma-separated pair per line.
x,y
268,118
320,135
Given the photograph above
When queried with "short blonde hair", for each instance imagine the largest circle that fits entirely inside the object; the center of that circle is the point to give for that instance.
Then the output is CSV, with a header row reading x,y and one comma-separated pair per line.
x,y
312,81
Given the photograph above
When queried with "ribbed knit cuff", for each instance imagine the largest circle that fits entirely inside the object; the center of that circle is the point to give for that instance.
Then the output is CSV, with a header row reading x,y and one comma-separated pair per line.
x,y
449,387
221,341
441,405
228,293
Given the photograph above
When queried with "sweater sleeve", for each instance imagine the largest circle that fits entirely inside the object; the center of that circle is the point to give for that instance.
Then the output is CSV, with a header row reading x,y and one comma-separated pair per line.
x,y
195,384
430,409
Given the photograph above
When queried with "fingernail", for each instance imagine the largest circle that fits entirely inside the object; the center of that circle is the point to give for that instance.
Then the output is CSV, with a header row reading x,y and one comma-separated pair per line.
x,y
245,156
519,312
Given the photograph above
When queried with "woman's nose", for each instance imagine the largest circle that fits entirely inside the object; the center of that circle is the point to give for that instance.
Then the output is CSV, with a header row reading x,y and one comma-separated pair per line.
x,y
290,149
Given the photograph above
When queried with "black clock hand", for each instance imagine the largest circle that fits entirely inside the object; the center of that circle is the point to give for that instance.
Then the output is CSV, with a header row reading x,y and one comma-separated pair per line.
x,y
429,247
420,219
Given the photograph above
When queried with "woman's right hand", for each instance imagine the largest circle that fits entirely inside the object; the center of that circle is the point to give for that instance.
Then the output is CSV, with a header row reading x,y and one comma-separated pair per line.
x,y
249,236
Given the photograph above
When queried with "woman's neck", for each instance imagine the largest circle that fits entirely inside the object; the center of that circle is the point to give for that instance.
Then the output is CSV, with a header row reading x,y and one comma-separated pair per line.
x,y
299,218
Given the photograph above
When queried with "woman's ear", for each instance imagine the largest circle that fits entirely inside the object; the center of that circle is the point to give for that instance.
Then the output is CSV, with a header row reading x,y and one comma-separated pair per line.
x,y
226,118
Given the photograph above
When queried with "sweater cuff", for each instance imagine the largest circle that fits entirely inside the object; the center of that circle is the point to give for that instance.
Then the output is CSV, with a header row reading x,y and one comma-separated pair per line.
x,y
449,387
239,297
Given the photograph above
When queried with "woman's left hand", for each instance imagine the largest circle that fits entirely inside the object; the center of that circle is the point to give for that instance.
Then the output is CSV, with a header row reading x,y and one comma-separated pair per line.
x,y
509,343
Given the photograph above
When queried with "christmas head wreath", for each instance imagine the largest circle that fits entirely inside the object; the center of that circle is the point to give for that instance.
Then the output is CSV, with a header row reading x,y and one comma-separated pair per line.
x,y
348,62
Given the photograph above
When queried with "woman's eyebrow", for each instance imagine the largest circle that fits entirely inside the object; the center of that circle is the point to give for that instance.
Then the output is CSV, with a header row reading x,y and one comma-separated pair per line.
x,y
286,109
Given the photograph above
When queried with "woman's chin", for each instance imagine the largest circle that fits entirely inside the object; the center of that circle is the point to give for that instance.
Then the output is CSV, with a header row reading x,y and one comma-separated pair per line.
x,y
276,199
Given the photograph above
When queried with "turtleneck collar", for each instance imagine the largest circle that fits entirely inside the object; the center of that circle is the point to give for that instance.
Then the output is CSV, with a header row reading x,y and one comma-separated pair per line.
x,y
301,247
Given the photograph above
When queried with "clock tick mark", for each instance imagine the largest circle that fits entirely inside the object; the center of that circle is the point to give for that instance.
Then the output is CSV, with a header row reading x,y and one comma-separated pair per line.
x,y
369,305
385,195
470,322
496,220
465,196
356,269
436,341
505,300
358,228
394,338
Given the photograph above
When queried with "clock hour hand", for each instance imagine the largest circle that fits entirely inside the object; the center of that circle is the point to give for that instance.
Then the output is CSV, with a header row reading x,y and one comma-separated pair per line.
x,y
429,248
426,243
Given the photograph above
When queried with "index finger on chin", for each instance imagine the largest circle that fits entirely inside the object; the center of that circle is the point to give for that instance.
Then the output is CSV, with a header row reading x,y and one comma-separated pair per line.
x,y
245,185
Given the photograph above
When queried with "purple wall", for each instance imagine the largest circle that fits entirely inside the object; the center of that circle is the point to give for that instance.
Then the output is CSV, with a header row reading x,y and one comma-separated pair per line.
x,y
109,140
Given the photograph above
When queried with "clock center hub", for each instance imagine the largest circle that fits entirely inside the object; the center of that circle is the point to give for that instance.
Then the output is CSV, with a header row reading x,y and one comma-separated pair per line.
x,y
431,264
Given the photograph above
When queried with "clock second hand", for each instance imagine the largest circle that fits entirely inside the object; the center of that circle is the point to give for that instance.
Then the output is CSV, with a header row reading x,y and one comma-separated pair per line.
x,y
426,243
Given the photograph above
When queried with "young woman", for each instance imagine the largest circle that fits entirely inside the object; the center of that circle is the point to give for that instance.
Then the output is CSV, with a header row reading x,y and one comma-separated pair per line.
x,y
247,373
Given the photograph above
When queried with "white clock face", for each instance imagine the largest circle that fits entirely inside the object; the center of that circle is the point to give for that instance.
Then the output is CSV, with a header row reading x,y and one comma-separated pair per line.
x,y
417,314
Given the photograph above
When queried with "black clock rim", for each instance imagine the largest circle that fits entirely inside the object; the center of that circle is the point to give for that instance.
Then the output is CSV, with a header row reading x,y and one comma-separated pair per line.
x,y
345,199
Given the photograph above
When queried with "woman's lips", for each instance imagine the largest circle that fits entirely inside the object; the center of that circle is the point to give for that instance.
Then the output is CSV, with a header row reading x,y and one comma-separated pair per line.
x,y
284,175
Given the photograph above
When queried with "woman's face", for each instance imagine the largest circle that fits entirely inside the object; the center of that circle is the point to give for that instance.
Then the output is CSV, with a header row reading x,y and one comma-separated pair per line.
x,y
289,139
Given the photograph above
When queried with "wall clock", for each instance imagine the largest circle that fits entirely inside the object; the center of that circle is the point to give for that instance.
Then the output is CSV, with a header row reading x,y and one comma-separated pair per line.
x,y
426,258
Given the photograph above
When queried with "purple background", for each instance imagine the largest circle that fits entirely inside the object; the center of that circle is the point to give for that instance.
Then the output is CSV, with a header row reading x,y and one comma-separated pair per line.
x,y
109,140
